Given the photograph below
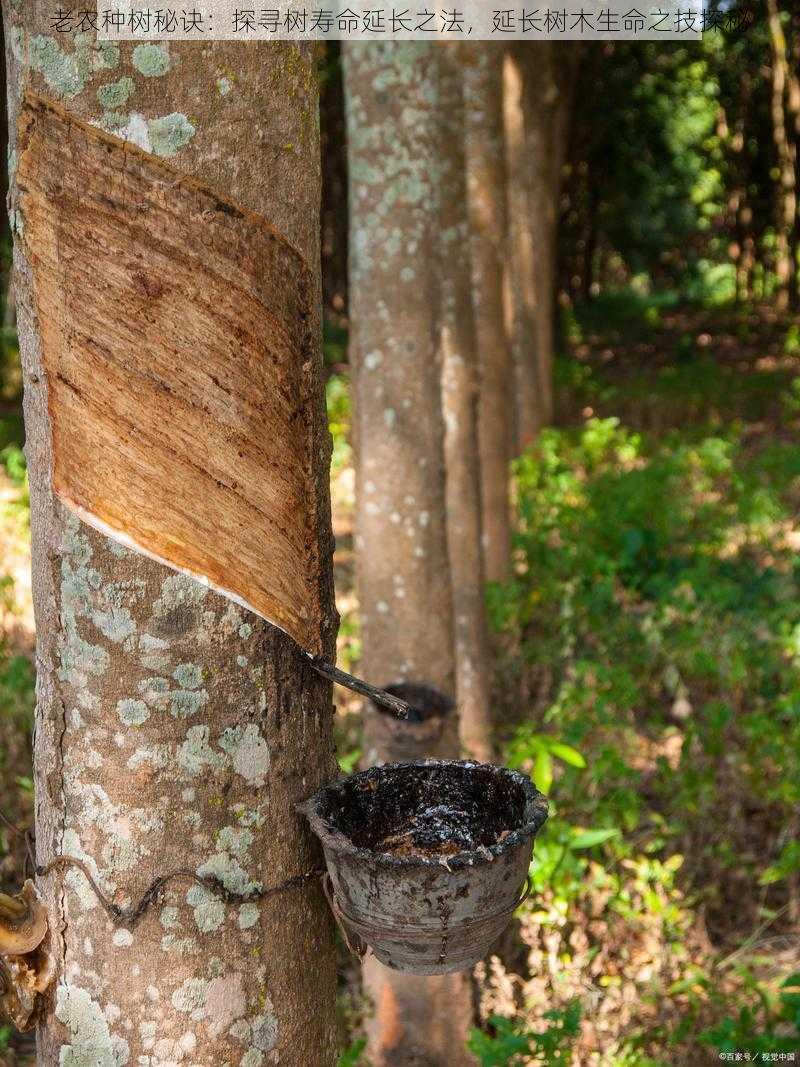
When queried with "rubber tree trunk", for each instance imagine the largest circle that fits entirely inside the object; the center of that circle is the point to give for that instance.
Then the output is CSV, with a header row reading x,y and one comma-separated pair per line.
x,y
483,107
522,252
785,150
793,110
459,360
174,729
402,569
550,75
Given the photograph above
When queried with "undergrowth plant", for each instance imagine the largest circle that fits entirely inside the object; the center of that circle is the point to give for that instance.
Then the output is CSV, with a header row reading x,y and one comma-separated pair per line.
x,y
658,578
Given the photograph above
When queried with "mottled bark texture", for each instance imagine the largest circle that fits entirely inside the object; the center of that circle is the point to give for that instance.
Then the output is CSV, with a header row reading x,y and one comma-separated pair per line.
x,y
549,71
173,728
522,253
401,543
486,186
458,355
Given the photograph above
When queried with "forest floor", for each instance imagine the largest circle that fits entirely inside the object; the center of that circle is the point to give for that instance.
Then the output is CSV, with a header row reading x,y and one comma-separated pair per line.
x,y
648,675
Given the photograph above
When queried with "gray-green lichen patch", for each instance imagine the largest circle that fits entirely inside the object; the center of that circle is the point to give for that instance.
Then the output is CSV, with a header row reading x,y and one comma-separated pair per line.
x,y
71,846
127,831
188,675
67,73
224,86
91,1042
153,652
106,55
181,946
132,712
261,1033
169,916
16,222
195,754
265,1030
190,998
248,916
151,60
128,127
233,850
115,94
209,910
115,623
249,752
170,133
178,591
17,39
186,702
79,586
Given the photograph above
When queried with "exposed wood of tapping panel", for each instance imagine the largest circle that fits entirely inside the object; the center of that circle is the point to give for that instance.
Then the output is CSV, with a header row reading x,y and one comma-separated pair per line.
x,y
177,351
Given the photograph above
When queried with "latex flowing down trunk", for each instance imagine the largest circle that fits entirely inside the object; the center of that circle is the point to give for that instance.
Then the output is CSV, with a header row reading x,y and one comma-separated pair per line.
x,y
523,230
402,567
460,405
486,187
173,728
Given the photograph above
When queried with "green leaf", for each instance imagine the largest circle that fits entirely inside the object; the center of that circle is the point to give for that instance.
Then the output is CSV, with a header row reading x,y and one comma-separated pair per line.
x,y
590,838
543,770
567,753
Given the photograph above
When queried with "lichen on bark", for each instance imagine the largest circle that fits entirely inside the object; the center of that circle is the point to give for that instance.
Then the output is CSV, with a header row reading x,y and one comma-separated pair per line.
x,y
189,783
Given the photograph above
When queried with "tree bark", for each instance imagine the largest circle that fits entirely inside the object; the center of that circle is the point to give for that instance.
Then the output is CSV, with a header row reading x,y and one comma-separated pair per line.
x,y
459,361
483,103
793,109
550,81
402,568
522,252
785,148
174,729
334,188
539,106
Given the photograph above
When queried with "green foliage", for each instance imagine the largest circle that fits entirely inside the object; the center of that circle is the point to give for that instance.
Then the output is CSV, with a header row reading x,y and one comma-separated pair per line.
x,y
17,676
510,1046
653,575
352,1055
17,686
338,400
537,750
12,459
348,761
762,1026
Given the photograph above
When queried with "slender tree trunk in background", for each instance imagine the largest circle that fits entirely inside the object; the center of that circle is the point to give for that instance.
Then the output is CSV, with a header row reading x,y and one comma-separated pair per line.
x,y
539,109
174,729
551,71
402,565
785,267
522,252
590,243
733,142
793,109
483,103
460,405
334,188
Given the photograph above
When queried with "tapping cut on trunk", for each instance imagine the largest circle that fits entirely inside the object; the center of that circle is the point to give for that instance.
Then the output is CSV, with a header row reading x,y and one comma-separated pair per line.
x,y
177,350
